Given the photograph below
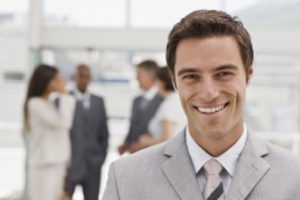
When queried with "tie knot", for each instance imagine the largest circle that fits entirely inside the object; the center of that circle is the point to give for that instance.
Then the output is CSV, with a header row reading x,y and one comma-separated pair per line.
x,y
213,167
143,102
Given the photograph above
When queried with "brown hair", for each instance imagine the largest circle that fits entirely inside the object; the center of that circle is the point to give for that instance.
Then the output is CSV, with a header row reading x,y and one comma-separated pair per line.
x,y
163,74
82,66
37,86
148,65
208,23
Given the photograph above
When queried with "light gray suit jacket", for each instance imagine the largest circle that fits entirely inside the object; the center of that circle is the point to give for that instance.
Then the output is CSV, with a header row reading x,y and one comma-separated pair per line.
x,y
165,172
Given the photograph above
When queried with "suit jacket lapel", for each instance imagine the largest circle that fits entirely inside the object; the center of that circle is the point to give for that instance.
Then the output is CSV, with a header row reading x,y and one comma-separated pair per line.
x,y
250,169
179,170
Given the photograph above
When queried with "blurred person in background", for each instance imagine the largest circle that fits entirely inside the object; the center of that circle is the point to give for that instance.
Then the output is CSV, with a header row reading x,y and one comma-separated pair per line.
x,y
169,118
89,138
144,106
49,122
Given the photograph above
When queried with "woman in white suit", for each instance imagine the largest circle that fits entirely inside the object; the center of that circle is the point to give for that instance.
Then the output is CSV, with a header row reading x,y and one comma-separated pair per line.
x,y
49,123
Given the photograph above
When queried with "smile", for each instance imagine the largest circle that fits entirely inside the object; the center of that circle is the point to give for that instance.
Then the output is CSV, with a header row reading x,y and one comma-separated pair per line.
x,y
209,110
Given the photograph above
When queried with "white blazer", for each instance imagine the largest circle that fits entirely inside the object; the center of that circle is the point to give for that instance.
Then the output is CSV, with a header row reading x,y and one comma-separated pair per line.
x,y
50,143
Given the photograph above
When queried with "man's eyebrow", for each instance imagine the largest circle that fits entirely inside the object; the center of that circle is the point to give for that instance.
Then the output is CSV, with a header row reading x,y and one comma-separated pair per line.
x,y
227,66
186,70
220,68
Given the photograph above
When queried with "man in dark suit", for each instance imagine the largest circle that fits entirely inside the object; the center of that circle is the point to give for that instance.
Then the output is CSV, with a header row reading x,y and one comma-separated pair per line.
x,y
144,106
89,138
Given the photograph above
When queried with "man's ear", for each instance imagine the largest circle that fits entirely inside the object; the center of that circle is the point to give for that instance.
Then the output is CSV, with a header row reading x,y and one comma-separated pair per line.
x,y
250,74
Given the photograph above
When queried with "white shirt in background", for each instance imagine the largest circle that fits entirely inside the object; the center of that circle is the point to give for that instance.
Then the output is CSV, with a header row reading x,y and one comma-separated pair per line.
x,y
169,110
150,94
83,97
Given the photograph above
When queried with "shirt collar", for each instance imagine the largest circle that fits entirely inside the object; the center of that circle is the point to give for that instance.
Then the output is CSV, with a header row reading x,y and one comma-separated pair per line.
x,y
228,159
149,94
81,96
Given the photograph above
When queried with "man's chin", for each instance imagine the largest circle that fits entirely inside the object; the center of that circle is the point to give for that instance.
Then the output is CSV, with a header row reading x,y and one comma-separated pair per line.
x,y
212,131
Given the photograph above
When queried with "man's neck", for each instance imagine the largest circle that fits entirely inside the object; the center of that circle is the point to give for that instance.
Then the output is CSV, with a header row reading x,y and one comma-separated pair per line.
x,y
81,91
216,146
146,89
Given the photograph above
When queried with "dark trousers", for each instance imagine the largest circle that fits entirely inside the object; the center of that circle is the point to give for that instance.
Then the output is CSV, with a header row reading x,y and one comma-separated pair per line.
x,y
90,185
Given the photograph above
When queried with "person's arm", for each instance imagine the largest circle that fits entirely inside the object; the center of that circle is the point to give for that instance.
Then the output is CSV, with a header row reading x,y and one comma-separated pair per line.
x,y
66,109
133,117
136,146
168,129
44,113
126,144
111,191
123,147
66,103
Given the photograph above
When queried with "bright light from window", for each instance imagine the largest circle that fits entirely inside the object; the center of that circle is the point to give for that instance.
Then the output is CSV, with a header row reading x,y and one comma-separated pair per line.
x,y
14,6
143,13
88,13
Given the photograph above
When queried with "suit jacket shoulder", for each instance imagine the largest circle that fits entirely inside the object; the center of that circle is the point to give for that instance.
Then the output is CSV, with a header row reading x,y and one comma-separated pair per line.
x,y
160,172
280,156
265,171
152,156
165,172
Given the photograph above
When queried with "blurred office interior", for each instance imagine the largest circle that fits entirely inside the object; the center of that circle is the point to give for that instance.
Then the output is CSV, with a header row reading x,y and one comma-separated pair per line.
x,y
111,36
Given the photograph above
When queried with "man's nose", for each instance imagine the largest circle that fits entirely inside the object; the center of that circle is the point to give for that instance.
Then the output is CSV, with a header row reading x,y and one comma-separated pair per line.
x,y
208,89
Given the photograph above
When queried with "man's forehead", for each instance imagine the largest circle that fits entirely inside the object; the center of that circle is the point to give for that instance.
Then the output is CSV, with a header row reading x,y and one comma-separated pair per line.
x,y
83,70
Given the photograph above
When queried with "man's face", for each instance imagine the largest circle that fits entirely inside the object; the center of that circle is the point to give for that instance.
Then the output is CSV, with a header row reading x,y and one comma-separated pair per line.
x,y
211,81
83,78
145,78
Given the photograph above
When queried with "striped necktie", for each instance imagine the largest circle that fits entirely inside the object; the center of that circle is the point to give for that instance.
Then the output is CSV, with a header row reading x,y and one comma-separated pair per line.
x,y
214,188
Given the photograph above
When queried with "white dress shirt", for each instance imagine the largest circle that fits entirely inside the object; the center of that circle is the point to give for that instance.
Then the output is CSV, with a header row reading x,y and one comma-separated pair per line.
x,y
150,94
228,159
83,97
169,110
147,96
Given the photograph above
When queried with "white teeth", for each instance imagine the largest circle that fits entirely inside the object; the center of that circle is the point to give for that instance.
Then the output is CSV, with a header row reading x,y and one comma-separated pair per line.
x,y
211,110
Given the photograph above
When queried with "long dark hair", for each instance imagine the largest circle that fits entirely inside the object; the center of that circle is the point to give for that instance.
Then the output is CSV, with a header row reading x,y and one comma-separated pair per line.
x,y
37,86
164,75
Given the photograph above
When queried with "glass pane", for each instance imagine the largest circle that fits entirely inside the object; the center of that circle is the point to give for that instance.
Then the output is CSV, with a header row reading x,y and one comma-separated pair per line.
x,y
13,63
13,13
88,13
266,16
156,13
234,6
13,37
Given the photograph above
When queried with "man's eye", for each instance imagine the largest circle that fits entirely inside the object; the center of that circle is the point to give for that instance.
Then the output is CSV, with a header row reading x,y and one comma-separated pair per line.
x,y
222,74
190,77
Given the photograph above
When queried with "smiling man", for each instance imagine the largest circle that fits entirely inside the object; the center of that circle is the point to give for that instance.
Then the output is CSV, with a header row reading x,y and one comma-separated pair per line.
x,y
211,82
210,56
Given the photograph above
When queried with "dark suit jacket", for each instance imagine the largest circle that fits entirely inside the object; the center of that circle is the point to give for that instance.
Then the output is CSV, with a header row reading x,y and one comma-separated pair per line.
x,y
140,118
165,172
89,138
